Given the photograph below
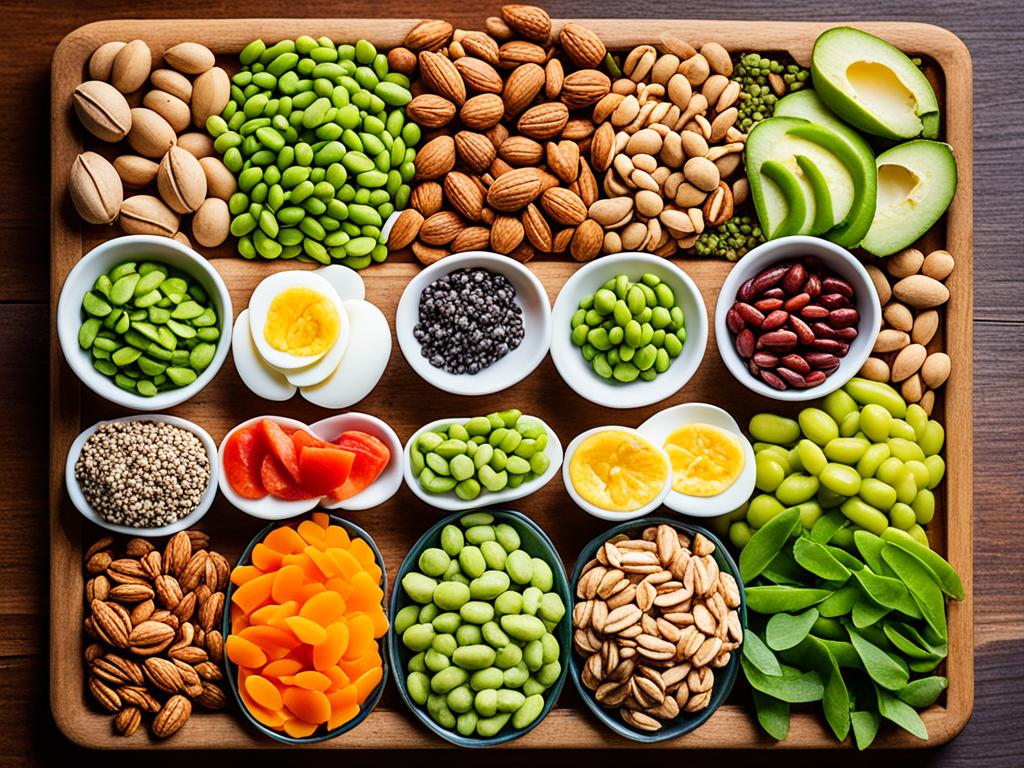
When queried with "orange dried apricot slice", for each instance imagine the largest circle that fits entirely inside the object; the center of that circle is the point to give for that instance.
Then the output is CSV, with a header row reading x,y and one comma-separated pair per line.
x,y
329,652
263,692
285,540
360,635
306,630
366,595
265,558
244,652
312,680
254,593
282,668
324,608
367,681
244,573
311,706
299,729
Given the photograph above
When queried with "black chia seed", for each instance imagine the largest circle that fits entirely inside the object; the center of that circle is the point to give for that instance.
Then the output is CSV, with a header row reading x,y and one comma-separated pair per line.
x,y
469,319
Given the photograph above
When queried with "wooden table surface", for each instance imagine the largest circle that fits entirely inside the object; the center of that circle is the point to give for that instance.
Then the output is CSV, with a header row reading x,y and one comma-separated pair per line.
x,y
992,31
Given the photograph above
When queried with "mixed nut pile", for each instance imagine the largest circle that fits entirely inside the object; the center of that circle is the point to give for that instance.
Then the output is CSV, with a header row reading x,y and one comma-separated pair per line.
x,y
656,617
153,623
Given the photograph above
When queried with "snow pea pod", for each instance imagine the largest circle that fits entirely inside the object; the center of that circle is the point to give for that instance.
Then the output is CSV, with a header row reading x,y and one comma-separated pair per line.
x,y
776,599
901,713
923,692
766,543
946,577
791,686
921,585
760,655
885,669
865,727
815,558
772,714
786,630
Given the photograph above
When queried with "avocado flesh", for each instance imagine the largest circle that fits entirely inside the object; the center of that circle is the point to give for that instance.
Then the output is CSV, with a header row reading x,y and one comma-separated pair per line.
x,y
872,85
796,201
823,216
916,182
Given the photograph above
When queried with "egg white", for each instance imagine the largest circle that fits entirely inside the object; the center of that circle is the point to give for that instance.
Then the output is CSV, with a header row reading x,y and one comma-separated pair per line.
x,y
259,308
347,282
264,381
367,356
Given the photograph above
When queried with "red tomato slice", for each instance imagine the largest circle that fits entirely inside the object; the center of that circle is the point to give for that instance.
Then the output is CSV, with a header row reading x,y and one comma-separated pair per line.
x,y
243,456
324,469
277,481
372,456
282,447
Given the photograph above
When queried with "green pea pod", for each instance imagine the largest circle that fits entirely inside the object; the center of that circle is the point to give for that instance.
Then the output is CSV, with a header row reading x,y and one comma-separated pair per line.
x,y
867,612
772,714
922,693
870,548
773,599
792,686
889,592
885,669
784,570
943,572
843,652
760,655
865,728
826,525
921,585
766,543
840,603
911,643
786,630
815,558
900,713
836,697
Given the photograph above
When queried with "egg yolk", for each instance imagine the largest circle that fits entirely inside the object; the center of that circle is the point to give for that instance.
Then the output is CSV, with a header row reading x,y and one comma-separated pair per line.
x,y
706,460
301,322
617,471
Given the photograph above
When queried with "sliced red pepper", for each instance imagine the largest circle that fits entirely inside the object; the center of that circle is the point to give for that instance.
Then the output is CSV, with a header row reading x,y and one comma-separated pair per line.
x,y
324,469
282,447
243,457
277,481
372,456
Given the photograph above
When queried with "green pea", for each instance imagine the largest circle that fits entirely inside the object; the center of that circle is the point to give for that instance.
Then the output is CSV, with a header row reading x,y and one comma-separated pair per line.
x,y
936,470
770,428
846,450
468,634
418,637
762,509
796,489
868,392
872,459
840,478
865,515
932,439
902,516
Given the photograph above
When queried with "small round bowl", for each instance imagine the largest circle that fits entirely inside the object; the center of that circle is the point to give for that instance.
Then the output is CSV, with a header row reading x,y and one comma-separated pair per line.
x,y
231,670
578,373
835,258
664,423
449,502
724,677
83,506
600,512
513,367
101,260
537,544
388,482
268,507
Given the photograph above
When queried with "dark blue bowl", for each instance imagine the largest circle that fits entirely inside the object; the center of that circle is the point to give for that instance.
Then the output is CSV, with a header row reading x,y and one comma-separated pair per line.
x,y
537,544
367,706
724,677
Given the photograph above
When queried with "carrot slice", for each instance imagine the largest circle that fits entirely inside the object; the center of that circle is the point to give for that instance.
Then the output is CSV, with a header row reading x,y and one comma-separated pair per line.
x,y
254,593
307,631
244,652
285,540
263,692
299,729
287,582
360,636
312,680
367,681
265,558
282,668
324,608
329,652
311,706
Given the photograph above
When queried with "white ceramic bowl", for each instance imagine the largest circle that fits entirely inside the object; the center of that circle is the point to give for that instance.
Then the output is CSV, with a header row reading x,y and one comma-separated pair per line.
x,y
579,374
837,259
607,514
664,423
452,503
83,506
513,367
388,482
101,260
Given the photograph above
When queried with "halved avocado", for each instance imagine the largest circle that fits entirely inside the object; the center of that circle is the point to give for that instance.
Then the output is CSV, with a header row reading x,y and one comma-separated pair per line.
x,y
796,202
872,85
916,182
823,216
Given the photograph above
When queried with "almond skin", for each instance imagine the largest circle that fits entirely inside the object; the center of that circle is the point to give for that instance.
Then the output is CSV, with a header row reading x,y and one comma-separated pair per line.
x,y
482,112
405,229
474,149
478,75
102,110
563,206
587,241
131,66
531,22
514,190
482,46
435,158
506,233
429,110
585,88
464,195
544,121
581,45
521,151
440,76
427,198
522,87
428,35
441,228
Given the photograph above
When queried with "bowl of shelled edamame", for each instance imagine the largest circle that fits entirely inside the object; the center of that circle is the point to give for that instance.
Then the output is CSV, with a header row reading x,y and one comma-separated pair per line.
x,y
628,330
144,321
481,628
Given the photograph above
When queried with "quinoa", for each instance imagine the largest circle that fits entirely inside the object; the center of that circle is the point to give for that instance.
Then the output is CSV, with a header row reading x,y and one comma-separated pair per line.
x,y
143,474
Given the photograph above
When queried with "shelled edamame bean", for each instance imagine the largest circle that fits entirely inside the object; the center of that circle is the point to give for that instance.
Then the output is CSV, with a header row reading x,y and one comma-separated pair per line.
x,y
148,327
486,453
317,138
629,331
481,626
864,452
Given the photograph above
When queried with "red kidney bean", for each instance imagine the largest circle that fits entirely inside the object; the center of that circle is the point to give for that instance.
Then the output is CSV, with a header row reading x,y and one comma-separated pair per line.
x,y
843,318
776,319
837,285
813,312
798,302
745,343
837,348
765,359
833,301
768,305
749,314
774,293
796,363
783,341
821,359
813,286
769,277
753,367
746,291
823,330
794,280
792,378
814,378
733,320
772,380
812,263
845,334
802,330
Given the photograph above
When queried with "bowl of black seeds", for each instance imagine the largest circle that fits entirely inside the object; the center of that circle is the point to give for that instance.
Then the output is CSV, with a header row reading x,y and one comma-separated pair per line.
x,y
145,475
474,323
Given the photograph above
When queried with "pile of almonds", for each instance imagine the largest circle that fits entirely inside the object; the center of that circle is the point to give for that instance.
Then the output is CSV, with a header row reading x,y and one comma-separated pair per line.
x,y
911,296
167,155
508,136
654,619
666,139
155,647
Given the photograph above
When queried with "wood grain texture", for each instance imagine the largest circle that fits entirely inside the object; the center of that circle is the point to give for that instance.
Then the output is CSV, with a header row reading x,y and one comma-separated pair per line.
x,y
992,32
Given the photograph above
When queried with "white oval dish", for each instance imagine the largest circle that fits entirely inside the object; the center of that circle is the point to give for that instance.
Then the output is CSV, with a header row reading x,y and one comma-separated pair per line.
x,y
513,367
388,482
664,423
834,257
580,375
452,503
83,506
101,260
600,512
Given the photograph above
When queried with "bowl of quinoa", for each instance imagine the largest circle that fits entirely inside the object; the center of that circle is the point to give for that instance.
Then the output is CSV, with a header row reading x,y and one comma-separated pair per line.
x,y
145,475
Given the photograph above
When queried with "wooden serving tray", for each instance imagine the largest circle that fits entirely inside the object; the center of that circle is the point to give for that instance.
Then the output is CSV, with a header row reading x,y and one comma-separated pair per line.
x,y
407,402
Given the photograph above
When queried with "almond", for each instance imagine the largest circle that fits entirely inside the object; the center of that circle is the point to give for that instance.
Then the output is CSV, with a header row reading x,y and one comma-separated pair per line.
x,y
514,190
181,181
482,112
935,370
199,144
587,241
471,239
104,694
112,622
131,66
131,593
214,644
428,35
402,60
562,239
531,22
522,252
521,151
585,88
536,228
163,675
435,158
602,148
921,292
428,110
128,720
95,188
543,121
150,638
210,94
522,88
554,76
147,215
174,713
102,60
212,697
585,185
481,45
211,611
440,76
563,206
464,195
426,254
506,233
564,159
441,228
220,182
581,45
516,52
405,229
150,134
177,553
427,198
474,149
172,82
478,75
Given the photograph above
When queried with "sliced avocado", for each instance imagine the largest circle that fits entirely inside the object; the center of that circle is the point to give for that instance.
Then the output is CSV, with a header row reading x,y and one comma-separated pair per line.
x,y
823,219
808,105
916,182
872,85
796,201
